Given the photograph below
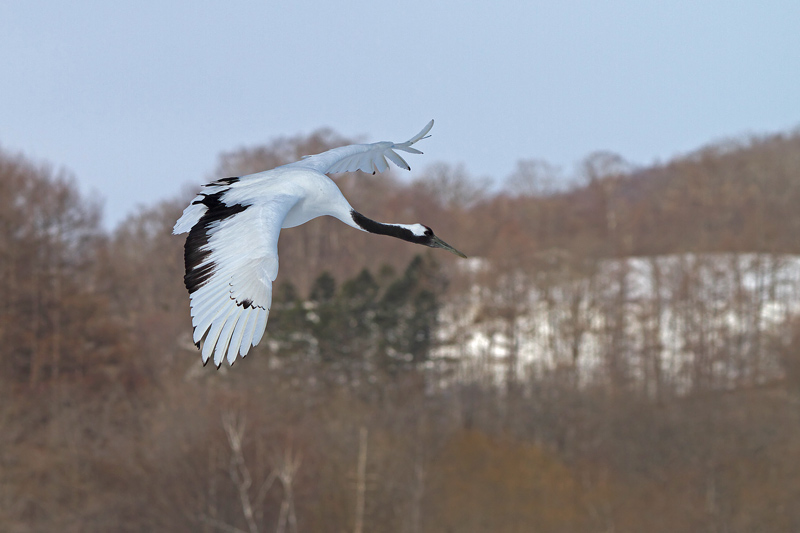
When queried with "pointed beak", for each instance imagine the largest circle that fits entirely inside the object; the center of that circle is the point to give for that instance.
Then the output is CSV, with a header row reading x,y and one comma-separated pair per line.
x,y
436,242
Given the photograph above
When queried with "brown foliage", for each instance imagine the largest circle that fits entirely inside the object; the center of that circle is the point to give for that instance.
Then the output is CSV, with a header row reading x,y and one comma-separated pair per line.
x,y
484,483
672,409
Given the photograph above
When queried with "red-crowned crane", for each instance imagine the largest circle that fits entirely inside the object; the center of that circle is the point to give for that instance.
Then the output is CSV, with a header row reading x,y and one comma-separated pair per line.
x,y
231,252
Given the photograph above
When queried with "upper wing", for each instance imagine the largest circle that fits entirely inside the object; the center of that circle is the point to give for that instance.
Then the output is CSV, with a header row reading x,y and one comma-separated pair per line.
x,y
231,257
363,157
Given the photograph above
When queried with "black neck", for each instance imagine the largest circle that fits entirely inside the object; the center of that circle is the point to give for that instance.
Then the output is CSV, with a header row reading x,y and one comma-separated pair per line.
x,y
367,224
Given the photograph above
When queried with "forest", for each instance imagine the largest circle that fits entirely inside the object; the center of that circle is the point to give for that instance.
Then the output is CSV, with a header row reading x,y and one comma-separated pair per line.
x,y
620,353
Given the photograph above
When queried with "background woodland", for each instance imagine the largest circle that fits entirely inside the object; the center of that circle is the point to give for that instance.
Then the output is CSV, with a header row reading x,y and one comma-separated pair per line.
x,y
620,354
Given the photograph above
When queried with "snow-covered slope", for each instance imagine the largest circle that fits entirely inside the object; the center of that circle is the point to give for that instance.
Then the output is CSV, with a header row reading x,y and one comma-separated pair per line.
x,y
686,318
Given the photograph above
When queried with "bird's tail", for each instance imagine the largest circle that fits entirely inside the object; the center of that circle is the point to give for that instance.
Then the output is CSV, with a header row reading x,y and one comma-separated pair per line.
x,y
191,216
195,211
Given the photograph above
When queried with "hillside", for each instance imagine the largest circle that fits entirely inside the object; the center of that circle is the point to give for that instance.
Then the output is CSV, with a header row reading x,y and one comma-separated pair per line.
x,y
620,354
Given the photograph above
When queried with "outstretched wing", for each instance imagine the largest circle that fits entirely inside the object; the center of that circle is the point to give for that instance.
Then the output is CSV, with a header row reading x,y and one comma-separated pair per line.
x,y
231,257
364,157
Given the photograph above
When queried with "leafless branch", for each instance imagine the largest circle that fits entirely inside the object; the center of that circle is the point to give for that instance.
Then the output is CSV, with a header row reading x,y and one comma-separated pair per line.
x,y
218,524
287,466
240,475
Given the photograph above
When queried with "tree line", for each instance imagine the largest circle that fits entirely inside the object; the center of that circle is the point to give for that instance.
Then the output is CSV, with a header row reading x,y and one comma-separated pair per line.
x,y
622,353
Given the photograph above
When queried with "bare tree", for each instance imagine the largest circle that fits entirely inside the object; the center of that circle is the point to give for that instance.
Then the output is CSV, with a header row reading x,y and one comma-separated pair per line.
x,y
287,465
361,479
534,177
240,475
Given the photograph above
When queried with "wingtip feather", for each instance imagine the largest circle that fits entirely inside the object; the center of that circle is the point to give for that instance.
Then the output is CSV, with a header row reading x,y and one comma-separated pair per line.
x,y
421,135
261,326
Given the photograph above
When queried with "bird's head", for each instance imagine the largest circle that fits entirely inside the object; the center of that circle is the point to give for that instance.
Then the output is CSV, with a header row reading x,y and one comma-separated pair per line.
x,y
424,235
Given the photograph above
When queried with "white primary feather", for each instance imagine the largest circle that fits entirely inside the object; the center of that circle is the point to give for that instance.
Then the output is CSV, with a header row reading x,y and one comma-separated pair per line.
x,y
364,157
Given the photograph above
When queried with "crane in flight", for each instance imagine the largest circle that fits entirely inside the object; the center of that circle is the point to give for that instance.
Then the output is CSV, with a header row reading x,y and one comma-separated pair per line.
x,y
231,252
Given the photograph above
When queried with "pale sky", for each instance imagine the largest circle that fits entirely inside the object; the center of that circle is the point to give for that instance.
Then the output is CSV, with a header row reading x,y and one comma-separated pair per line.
x,y
138,99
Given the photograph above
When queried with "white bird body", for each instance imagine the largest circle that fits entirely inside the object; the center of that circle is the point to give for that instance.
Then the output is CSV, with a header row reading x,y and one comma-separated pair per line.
x,y
231,252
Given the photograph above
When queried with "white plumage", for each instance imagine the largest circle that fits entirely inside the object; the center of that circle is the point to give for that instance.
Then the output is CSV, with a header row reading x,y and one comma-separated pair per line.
x,y
231,252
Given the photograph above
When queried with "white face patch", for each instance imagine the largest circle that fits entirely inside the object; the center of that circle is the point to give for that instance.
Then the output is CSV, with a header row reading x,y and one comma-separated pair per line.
x,y
417,229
